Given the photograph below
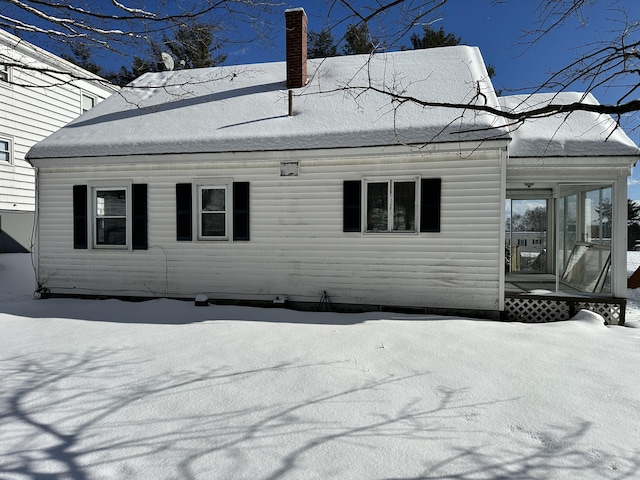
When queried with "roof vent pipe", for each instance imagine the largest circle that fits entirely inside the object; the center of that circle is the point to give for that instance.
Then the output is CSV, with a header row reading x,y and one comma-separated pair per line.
x,y
291,103
296,27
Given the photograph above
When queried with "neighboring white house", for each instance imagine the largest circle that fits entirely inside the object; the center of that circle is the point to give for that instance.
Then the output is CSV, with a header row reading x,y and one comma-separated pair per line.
x,y
34,102
303,180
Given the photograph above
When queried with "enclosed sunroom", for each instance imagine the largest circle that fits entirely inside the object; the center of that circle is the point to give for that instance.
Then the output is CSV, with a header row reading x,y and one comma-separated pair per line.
x,y
566,214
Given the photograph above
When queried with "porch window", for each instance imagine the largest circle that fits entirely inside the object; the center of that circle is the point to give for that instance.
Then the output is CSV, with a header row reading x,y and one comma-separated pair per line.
x,y
598,213
586,215
110,216
391,206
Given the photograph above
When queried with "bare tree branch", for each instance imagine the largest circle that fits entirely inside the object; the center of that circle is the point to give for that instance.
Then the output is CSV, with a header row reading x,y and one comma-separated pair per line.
x,y
539,112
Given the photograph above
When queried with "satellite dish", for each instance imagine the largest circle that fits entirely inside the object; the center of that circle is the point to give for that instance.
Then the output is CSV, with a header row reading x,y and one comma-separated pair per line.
x,y
167,60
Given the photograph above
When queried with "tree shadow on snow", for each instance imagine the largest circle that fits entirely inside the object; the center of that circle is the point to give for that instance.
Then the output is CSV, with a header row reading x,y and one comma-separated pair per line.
x,y
104,413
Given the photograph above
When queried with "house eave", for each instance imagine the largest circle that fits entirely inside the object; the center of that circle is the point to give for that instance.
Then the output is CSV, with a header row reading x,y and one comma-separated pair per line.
x,y
599,162
388,151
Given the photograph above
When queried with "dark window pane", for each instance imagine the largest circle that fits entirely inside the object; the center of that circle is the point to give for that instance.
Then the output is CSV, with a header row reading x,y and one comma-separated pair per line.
x,y
404,206
213,200
213,225
111,203
4,151
377,207
111,231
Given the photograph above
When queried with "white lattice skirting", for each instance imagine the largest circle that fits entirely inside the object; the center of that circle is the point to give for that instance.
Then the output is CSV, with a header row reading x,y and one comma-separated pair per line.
x,y
538,309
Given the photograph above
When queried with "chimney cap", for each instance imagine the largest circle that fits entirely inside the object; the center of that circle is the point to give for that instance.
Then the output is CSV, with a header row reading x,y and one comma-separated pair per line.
x,y
294,10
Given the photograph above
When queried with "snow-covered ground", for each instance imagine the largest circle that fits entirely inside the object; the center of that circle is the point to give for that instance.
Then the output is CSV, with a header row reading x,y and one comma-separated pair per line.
x,y
167,390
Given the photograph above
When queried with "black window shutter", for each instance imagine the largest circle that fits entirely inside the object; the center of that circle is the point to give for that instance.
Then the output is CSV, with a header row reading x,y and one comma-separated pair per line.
x,y
183,212
351,208
80,219
430,205
139,209
241,210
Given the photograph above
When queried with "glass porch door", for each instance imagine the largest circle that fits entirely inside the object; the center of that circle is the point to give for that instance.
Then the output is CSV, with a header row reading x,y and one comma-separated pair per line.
x,y
527,235
584,237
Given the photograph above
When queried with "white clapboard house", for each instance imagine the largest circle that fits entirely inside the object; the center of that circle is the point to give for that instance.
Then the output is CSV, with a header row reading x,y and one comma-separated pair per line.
x,y
39,93
305,182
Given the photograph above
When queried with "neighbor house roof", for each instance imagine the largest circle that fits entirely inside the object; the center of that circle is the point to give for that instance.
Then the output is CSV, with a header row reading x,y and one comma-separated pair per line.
x,y
578,134
24,53
245,108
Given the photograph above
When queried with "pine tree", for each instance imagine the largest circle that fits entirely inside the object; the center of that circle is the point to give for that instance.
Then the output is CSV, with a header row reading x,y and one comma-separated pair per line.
x,y
358,40
439,38
321,45
434,38
193,47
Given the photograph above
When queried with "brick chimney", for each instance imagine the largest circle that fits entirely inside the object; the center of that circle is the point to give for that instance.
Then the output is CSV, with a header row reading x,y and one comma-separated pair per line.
x,y
296,26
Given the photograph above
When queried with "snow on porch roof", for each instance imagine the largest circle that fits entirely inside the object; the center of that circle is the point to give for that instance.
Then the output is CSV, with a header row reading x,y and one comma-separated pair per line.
x,y
579,134
245,108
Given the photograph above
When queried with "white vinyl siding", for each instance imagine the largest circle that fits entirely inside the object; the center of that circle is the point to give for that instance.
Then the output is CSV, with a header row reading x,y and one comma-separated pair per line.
x,y
297,245
34,104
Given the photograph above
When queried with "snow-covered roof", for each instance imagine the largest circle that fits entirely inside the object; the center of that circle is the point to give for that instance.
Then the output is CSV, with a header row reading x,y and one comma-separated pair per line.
x,y
245,108
578,134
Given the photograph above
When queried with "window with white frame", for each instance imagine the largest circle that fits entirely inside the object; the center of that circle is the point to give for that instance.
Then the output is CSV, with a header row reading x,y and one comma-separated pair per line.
x,y
5,73
5,150
111,219
213,207
391,205
88,102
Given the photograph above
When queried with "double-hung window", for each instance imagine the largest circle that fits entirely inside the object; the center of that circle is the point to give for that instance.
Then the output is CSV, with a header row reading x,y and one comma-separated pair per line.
x,y
391,205
111,216
5,150
213,204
